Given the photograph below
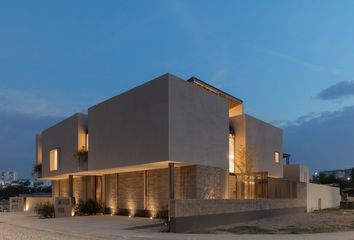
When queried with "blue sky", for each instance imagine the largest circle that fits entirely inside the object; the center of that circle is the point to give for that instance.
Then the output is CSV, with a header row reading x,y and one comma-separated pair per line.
x,y
290,61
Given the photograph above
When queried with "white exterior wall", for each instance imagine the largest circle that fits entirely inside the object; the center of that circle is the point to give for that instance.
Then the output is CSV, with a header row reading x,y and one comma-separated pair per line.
x,y
261,141
322,196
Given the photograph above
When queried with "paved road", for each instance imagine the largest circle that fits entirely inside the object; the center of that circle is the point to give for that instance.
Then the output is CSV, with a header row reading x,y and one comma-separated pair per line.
x,y
26,227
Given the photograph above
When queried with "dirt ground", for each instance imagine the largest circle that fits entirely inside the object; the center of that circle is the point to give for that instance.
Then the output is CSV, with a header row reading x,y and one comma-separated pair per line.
x,y
25,226
331,220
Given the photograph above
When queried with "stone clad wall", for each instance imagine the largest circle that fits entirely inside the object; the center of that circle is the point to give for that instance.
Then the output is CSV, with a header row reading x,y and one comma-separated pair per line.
x,y
210,182
111,192
55,188
60,188
185,182
157,190
131,190
196,214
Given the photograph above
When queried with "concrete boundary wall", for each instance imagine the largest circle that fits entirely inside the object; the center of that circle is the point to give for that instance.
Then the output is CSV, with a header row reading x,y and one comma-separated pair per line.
x,y
32,202
196,214
321,196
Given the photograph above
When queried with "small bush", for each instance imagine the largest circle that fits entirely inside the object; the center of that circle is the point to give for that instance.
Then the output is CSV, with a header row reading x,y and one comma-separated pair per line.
x,y
90,207
44,210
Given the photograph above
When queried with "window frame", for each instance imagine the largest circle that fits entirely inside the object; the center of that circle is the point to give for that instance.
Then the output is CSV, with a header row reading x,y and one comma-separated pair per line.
x,y
57,156
277,157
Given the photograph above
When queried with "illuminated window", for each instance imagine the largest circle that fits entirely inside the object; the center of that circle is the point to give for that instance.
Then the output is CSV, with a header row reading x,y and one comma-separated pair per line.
x,y
277,157
87,141
53,157
231,153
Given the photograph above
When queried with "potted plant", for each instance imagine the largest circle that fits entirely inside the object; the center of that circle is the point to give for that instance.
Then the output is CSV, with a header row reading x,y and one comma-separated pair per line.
x,y
81,157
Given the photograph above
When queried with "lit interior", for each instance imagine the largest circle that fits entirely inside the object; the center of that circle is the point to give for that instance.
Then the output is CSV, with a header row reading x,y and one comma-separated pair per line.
x,y
232,153
53,160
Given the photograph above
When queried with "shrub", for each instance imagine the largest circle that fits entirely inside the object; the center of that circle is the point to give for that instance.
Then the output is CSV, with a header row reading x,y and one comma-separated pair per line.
x,y
90,207
37,170
44,210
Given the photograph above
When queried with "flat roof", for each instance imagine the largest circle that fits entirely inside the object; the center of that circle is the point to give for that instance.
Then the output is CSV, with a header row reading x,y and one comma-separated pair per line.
x,y
233,101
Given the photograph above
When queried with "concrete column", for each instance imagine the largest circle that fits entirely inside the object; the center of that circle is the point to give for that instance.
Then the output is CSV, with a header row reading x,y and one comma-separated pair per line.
x,y
145,189
171,180
104,191
71,186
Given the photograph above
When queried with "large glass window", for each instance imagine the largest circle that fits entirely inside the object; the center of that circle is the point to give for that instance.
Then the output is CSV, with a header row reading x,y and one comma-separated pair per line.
x,y
53,156
232,153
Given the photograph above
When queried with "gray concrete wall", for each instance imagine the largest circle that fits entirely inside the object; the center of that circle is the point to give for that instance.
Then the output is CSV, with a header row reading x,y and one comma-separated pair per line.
x,y
131,128
166,119
198,125
261,140
296,172
196,214
67,137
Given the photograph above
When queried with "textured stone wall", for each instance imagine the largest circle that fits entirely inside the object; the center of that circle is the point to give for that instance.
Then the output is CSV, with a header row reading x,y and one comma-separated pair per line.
x,y
60,188
64,187
131,190
185,182
78,189
55,188
211,182
157,189
199,207
111,192
84,188
99,190
232,187
90,187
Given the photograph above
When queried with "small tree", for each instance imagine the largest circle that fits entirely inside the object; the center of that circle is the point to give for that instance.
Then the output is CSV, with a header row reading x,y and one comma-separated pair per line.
x,y
245,160
37,170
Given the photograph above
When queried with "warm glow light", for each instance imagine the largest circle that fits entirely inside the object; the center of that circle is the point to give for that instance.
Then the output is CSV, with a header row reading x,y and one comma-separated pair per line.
x,y
130,216
231,153
277,157
53,157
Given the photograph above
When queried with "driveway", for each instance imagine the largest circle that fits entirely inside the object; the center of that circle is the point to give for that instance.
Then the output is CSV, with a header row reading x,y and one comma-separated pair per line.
x,y
26,226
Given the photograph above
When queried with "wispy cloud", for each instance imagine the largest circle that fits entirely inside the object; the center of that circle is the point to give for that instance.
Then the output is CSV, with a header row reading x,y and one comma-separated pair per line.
x,y
27,103
298,61
338,90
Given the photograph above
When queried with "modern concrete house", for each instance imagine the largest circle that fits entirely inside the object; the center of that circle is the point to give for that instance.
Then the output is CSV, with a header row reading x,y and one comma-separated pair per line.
x,y
172,145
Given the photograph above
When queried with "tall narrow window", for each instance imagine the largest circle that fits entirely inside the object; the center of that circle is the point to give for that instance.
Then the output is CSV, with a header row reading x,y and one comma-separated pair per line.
x,y
232,153
53,157
277,157
87,141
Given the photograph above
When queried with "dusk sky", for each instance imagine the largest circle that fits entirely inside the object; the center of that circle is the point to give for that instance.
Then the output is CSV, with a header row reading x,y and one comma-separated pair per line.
x,y
292,62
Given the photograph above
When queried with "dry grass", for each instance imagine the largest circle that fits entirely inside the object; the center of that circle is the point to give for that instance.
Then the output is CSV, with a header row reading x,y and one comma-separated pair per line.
x,y
324,221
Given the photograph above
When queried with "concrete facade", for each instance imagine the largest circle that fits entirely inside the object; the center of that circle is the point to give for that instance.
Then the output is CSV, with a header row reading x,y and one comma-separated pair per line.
x,y
296,172
67,136
261,140
165,146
